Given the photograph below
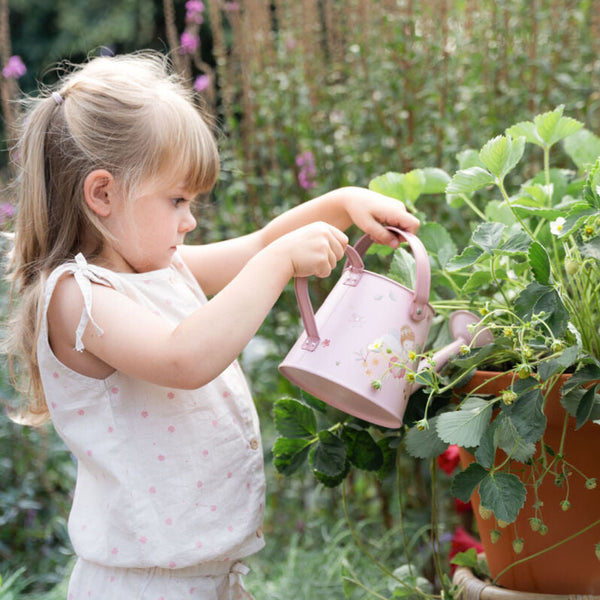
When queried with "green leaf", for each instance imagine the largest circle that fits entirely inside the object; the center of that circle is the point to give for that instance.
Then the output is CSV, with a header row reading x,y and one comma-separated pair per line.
x,y
586,374
389,184
527,416
504,494
294,419
403,268
551,366
332,481
488,236
289,454
537,298
510,440
468,559
539,263
486,452
466,425
466,482
436,180
469,158
526,129
477,280
469,180
583,147
362,449
518,243
553,127
591,190
501,154
425,443
438,242
329,455
586,404
469,256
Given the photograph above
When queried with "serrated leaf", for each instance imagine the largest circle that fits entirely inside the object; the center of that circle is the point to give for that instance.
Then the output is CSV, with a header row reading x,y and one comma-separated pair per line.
x,y
511,441
552,129
468,559
436,180
389,184
526,129
518,243
486,452
537,298
469,180
294,419
363,451
466,482
477,280
469,256
438,242
414,184
329,455
504,494
583,147
549,367
527,416
466,425
289,454
539,263
585,374
586,404
501,154
426,443
488,236
403,268
469,158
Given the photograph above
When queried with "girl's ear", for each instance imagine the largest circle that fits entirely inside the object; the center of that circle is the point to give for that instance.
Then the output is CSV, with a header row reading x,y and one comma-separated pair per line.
x,y
99,190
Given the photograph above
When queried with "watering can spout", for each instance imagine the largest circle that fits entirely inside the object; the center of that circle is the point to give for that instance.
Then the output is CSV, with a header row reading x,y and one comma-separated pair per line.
x,y
464,330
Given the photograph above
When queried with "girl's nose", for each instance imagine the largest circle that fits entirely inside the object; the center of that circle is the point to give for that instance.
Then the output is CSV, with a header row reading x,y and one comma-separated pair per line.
x,y
188,222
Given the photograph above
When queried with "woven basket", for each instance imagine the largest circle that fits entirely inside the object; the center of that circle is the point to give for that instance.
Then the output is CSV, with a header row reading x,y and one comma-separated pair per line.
x,y
472,588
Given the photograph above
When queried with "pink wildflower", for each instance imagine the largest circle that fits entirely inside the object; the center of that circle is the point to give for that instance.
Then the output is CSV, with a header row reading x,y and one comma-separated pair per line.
x,y
201,83
308,170
189,43
194,9
7,212
14,68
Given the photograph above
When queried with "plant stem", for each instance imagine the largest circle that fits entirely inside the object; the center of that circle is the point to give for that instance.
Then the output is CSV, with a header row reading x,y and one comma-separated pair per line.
x,y
541,552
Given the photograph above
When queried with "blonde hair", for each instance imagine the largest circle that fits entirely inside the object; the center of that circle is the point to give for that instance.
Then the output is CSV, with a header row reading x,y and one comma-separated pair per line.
x,y
128,114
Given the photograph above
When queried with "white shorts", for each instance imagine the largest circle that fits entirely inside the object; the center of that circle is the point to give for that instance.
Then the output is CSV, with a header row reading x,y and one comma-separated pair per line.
x,y
211,581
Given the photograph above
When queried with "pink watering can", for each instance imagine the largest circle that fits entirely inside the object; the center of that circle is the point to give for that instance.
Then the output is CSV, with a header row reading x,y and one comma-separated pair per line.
x,y
354,354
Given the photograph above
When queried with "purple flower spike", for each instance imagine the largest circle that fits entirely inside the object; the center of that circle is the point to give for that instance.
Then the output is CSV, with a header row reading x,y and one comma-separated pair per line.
x,y
14,68
7,212
308,170
194,10
189,43
201,83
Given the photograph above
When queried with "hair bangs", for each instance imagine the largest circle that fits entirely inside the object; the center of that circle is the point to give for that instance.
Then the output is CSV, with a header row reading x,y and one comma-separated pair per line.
x,y
186,150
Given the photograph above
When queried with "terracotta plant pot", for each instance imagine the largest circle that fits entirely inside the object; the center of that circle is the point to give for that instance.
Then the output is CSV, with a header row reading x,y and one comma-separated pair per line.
x,y
571,567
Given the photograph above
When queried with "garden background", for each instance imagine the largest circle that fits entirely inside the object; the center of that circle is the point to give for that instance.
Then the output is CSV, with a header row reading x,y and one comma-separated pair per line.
x,y
309,95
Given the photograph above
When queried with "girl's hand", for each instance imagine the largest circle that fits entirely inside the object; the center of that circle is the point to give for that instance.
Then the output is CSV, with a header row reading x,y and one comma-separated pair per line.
x,y
371,211
313,249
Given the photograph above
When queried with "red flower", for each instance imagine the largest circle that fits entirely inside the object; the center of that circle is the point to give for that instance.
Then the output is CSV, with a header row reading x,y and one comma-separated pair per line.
x,y
462,507
449,459
462,541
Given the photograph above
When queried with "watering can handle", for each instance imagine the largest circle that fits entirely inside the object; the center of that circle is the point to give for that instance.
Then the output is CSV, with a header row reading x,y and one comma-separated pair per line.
x,y
353,269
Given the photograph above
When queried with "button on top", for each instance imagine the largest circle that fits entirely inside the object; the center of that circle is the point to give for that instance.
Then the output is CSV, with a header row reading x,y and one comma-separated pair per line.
x,y
254,444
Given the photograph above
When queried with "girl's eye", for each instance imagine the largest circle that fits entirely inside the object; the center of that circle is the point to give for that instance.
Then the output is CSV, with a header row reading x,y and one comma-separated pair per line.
x,y
178,201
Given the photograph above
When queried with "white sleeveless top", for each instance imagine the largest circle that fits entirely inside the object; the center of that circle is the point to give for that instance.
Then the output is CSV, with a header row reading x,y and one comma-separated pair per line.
x,y
166,477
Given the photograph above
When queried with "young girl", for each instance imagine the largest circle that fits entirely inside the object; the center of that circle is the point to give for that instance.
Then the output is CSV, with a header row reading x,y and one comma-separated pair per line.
x,y
121,348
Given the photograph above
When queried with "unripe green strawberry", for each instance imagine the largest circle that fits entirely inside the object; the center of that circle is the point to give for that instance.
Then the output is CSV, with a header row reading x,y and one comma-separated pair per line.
x,y
502,524
571,266
565,505
535,524
518,545
543,529
485,513
590,484
495,535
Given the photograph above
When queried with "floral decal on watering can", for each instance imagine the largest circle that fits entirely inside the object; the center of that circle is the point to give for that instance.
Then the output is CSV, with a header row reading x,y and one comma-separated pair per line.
x,y
390,356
